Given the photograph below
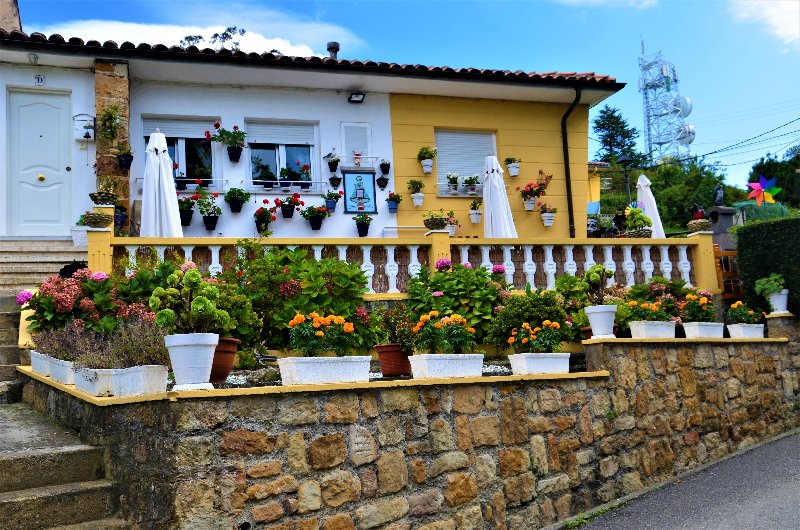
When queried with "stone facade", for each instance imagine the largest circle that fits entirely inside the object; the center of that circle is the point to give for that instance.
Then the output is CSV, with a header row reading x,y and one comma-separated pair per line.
x,y
111,83
502,455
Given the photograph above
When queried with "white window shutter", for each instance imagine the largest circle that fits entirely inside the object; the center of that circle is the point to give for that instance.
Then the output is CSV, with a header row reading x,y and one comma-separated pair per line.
x,y
177,127
462,152
280,133
356,138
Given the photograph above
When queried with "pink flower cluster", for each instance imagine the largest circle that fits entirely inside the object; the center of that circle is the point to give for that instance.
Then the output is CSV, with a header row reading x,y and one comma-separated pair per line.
x,y
188,265
64,292
498,269
467,265
24,297
99,276
363,315
442,264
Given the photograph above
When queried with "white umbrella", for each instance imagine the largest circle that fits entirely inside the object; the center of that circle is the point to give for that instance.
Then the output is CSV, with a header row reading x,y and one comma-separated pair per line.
x,y
160,216
497,218
646,201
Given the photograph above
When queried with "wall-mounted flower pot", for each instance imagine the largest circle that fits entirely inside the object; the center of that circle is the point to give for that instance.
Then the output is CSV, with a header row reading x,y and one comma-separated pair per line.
x,y
330,204
287,211
513,169
452,189
124,161
210,221
475,216
333,166
261,226
363,229
548,218
417,198
180,184
186,217
530,204
335,181
236,205
385,168
305,184
471,189
452,229
435,223
392,206
234,153
316,222
427,166
382,182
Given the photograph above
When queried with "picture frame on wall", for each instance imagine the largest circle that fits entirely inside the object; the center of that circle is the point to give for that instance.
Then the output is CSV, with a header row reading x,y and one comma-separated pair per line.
x,y
359,190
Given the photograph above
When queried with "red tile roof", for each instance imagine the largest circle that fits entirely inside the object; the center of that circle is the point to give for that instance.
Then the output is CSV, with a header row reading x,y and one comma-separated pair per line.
x,y
57,43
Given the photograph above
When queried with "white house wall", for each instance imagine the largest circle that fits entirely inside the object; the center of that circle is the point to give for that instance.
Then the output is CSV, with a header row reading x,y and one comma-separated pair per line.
x,y
235,106
79,83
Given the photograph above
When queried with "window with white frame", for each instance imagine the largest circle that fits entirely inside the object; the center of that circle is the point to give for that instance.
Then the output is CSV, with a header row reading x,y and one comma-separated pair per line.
x,y
188,148
283,150
461,152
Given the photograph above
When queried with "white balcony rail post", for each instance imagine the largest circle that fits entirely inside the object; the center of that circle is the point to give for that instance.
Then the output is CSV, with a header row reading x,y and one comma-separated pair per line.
x,y
647,263
588,258
392,269
684,265
570,267
628,266
665,264
464,249
508,263
317,252
367,266
608,263
414,266
530,266
215,267
486,262
550,266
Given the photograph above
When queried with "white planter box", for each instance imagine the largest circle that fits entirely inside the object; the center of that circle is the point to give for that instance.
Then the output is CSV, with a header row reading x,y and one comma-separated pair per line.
x,y
513,169
96,382
427,165
80,236
703,330
746,331
651,329
321,370
40,363
61,371
779,301
417,198
601,319
153,378
539,363
446,365
191,356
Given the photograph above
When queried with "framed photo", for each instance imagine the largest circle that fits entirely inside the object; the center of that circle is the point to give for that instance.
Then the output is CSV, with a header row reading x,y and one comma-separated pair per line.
x,y
359,191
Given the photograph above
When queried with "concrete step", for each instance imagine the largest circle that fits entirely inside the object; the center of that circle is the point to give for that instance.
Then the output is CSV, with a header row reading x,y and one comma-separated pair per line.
x,y
35,468
9,320
101,524
37,245
9,354
63,504
8,372
10,392
8,335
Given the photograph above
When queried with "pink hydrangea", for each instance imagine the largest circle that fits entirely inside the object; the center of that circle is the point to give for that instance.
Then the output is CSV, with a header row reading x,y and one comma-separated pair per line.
x,y
99,276
437,293
467,265
24,297
498,269
442,264
188,265
82,274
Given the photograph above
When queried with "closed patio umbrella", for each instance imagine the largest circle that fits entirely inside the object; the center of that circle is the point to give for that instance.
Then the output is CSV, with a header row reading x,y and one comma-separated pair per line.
x,y
647,202
160,216
497,218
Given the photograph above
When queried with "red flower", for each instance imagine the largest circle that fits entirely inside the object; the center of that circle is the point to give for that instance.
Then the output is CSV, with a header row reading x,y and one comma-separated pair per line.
x,y
217,125
239,273
235,127
298,162
306,167
341,193
208,135
302,203
215,195
198,181
195,197
265,201
322,209
295,194
258,212
517,188
297,209
175,165
277,202
273,218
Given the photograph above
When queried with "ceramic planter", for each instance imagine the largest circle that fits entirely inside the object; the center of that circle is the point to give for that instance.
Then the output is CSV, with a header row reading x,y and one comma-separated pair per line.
x,y
779,301
539,363
80,236
452,229
224,355
746,331
530,204
651,329
261,226
234,153
385,168
330,205
363,229
601,319
393,361
435,223
428,365
93,381
286,184
417,198
40,363
513,169
152,377
236,205
703,330
333,166
210,222
382,181
316,222
335,181
471,189
452,189
61,371
191,356
287,211
321,370
392,206
427,166
475,216
124,161
548,218
186,217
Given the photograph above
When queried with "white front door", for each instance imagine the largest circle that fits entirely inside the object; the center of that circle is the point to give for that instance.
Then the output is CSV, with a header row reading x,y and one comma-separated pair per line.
x,y
39,162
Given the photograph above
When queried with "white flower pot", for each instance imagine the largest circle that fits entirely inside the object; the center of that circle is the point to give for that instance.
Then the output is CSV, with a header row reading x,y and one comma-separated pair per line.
x,y
779,301
513,169
96,382
548,218
472,190
61,371
428,365
452,229
530,204
703,330
416,198
40,363
539,363
746,331
427,166
80,236
321,370
601,319
651,329
191,356
475,216
452,189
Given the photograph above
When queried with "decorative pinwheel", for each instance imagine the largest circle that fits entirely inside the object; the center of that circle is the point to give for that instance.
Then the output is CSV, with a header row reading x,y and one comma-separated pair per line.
x,y
764,190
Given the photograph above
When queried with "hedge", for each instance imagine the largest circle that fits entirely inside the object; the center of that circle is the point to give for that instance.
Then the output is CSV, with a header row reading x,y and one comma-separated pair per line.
x,y
765,247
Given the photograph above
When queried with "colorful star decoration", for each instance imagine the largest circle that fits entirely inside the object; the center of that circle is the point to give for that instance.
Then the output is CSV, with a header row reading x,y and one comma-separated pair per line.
x,y
764,190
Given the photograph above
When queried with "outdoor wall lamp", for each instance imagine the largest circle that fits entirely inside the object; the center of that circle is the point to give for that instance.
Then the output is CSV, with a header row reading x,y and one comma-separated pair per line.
x,y
356,97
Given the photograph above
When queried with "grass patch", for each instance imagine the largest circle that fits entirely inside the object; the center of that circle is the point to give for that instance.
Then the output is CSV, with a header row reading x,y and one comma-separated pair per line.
x,y
583,518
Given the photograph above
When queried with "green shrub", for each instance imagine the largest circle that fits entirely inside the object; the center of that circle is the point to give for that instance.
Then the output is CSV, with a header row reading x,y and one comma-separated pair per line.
x,y
533,306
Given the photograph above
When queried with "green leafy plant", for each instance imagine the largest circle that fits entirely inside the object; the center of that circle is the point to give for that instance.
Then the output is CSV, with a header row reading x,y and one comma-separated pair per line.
x,y
452,179
109,123
426,153
314,334
245,324
232,138
315,211
399,323
697,309
444,334
474,180
511,160
237,193
533,306
187,305
770,285
396,198
415,186
363,217
595,279
333,195
635,219
476,204
652,311
740,313
125,149
207,202
545,338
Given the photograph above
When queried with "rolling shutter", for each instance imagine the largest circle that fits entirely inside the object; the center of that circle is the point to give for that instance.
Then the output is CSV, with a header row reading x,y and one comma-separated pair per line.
x,y
280,133
356,137
178,128
461,152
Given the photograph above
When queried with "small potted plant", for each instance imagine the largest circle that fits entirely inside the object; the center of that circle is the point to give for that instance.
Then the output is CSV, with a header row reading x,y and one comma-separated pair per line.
x,y
452,223
304,170
109,123
287,177
243,324
393,201
649,320
263,216
415,187
236,197
471,184
475,212
539,348
314,215
744,323
385,165
513,165
207,204
202,176
266,177
234,140
637,224
180,178
698,317
425,155
600,315
453,337
435,220
97,220
362,221
105,196
452,183
772,289
125,157
331,199
393,355
533,190
80,235
547,212
186,208
333,163
289,205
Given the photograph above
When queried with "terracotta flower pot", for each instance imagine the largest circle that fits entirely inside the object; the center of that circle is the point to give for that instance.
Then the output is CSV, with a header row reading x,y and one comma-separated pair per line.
x,y
393,361
224,356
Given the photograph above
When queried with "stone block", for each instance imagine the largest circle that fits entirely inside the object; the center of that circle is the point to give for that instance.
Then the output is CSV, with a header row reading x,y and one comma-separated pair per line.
x,y
341,521
309,497
246,442
625,422
519,488
485,470
563,506
194,451
463,435
539,454
630,483
448,462
513,461
539,424
378,513
265,513
460,488
553,459
283,484
199,415
363,448
469,518
399,399
296,454
585,422
418,470
468,399
298,411
270,468
431,400
441,436
550,400
341,408
563,423
447,524
553,484
340,487
369,405
485,431
419,423
703,356
392,471
600,403
369,482
391,431
584,457
327,451
496,510
260,409
425,503
513,421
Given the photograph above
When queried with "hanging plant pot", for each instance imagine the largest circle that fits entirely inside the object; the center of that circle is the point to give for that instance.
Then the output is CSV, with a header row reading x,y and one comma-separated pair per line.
x,y
393,361
417,198
472,189
435,223
333,166
261,226
97,220
235,153
363,229
385,168
513,169
475,216
287,210
210,221
120,217
427,166
530,204
103,197
452,229
180,184
315,221
286,184
224,356
268,184
640,233
335,181
236,205
382,182
124,161
330,204
548,218
392,206
186,217
452,189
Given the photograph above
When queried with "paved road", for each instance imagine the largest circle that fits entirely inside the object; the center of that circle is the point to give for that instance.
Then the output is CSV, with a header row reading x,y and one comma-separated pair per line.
x,y
759,489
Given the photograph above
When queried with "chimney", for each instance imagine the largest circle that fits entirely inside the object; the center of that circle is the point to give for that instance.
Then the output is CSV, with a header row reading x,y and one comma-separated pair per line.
x,y
333,49
10,21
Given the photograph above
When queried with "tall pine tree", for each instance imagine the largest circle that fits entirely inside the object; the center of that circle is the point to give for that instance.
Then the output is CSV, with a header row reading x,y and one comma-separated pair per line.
x,y
616,137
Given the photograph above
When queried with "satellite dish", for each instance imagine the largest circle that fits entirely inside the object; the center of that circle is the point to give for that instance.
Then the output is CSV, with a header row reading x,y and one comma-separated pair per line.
x,y
686,106
687,134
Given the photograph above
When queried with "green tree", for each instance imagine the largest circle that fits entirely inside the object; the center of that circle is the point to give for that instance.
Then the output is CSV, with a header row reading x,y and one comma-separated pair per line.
x,y
218,40
616,137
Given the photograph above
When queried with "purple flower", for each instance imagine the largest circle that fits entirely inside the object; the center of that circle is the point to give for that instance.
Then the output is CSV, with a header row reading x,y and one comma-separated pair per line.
x,y
437,293
498,269
24,297
99,276
442,264
467,265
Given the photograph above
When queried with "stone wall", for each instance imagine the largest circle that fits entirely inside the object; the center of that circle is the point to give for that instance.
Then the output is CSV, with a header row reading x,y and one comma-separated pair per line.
x,y
505,454
112,88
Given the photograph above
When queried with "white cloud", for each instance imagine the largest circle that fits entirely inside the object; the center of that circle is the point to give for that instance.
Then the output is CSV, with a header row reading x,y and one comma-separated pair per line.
x,y
781,18
636,4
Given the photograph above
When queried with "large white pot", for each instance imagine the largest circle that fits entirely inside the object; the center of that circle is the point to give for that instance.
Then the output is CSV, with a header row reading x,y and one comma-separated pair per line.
x,y
746,331
40,363
779,301
427,165
475,216
80,236
601,319
652,329
94,381
61,371
446,365
548,218
513,169
703,330
321,370
417,198
539,363
191,356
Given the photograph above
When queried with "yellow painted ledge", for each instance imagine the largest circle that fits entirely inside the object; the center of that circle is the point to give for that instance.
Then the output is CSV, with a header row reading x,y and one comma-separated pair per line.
x,y
785,315
679,341
293,389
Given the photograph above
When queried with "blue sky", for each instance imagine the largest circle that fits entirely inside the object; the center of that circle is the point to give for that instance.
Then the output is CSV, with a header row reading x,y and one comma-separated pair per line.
x,y
739,60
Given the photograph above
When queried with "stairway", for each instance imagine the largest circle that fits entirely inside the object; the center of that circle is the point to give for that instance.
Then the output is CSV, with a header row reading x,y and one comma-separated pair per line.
x,y
24,264
50,479
10,387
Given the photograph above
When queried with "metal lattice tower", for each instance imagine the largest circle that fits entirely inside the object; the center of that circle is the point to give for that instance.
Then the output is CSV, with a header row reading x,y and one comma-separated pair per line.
x,y
665,132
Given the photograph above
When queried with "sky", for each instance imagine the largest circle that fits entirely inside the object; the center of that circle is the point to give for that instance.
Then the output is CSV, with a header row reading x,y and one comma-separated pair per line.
x,y
738,60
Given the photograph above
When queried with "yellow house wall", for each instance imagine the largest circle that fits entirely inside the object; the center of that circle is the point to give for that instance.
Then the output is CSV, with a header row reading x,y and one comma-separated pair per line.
x,y
530,131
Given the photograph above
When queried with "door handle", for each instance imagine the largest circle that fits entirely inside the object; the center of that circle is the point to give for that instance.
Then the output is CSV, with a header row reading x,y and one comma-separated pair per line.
x,y
69,168
40,177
